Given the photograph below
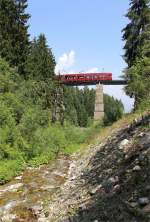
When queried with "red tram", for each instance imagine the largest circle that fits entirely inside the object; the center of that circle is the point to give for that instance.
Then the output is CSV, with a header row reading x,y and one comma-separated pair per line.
x,y
84,78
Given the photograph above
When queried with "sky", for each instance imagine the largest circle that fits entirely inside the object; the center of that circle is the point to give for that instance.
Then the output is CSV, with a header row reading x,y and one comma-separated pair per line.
x,y
85,36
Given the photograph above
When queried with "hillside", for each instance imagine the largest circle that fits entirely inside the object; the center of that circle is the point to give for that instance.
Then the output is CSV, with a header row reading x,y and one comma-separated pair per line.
x,y
109,181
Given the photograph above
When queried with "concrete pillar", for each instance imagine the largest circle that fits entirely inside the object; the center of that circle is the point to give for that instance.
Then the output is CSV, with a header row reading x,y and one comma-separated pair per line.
x,y
99,104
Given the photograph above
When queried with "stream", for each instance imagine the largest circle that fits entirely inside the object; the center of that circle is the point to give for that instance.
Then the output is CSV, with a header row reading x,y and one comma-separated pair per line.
x,y
25,197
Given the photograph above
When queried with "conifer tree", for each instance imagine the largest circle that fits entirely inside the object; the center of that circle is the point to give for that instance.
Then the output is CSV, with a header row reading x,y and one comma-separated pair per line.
x,y
133,33
14,36
137,50
41,62
113,109
40,68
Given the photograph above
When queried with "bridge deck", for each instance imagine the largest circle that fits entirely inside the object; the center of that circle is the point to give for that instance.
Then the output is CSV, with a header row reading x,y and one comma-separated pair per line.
x,y
104,82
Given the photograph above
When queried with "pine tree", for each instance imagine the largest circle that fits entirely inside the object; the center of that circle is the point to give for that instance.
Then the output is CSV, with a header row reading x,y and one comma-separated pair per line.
x,y
133,33
14,36
137,50
113,109
40,68
21,35
89,101
41,62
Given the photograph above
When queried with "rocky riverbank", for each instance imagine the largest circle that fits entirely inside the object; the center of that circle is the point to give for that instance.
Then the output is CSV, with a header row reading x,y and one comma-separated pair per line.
x,y
111,182
25,197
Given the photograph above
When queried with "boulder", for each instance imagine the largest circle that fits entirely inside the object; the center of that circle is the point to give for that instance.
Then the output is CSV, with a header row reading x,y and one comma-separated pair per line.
x,y
143,201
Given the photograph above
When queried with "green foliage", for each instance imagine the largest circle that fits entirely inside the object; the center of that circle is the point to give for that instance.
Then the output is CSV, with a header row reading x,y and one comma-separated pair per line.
x,y
40,65
9,169
139,85
42,159
82,116
30,99
134,33
89,101
14,41
76,135
79,105
9,153
137,50
9,80
26,132
50,140
12,101
143,105
6,118
79,137
40,62
113,109
31,119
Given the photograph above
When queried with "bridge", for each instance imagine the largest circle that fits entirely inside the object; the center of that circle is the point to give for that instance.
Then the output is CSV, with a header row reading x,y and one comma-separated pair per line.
x,y
98,79
83,79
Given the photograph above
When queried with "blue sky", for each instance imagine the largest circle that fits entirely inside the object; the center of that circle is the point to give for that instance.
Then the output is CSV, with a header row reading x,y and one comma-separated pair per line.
x,y
84,35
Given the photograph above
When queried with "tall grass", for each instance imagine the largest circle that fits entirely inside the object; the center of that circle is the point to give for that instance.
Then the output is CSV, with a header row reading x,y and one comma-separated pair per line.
x,y
41,146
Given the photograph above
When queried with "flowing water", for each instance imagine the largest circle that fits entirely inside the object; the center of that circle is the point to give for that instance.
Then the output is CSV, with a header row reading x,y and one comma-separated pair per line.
x,y
24,198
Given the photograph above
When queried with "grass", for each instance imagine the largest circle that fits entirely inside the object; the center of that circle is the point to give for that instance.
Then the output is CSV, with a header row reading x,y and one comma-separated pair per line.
x,y
84,137
73,140
40,160
47,144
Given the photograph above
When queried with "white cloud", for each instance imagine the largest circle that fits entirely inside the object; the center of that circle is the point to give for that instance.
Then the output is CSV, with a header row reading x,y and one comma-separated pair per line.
x,y
66,61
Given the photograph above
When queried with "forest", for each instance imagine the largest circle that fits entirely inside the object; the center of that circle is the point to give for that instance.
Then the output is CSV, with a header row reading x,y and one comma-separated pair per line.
x,y
30,131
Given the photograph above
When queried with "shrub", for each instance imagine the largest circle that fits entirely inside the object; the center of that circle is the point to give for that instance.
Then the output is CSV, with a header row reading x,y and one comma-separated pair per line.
x,y
50,140
9,169
13,103
75,135
32,119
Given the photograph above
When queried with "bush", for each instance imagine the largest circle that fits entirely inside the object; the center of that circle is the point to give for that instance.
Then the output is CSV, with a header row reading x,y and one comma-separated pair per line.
x,y
9,80
14,104
32,119
144,105
50,140
9,153
113,109
75,135
9,169
42,159
6,116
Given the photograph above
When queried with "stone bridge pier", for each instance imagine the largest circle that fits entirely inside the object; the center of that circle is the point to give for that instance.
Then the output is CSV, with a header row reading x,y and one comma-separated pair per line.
x,y
99,103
